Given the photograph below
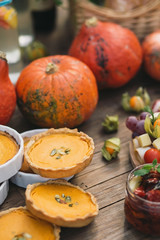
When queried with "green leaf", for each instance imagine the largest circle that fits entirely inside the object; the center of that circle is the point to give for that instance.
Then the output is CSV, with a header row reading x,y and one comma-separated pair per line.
x,y
148,167
158,168
149,110
141,172
154,163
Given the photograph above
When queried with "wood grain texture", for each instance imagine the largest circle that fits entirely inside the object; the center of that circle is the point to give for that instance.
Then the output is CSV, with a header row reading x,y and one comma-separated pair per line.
x,y
134,160
105,180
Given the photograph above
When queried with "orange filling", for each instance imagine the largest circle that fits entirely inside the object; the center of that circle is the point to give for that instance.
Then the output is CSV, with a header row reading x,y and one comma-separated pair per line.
x,y
62,200
20,221
8,148
58,150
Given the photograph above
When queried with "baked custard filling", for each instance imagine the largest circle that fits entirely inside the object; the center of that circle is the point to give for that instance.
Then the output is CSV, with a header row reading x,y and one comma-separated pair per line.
x,y
21,223
62,200
57,150
8,147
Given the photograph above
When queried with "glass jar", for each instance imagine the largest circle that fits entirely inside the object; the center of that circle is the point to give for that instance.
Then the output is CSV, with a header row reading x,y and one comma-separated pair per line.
x,y
144,215
9,34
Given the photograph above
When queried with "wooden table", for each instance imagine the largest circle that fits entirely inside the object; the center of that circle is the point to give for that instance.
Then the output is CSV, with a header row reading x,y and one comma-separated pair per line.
x,y
105,180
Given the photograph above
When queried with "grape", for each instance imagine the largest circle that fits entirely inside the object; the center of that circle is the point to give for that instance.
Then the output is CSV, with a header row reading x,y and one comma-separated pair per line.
x,y
131,123
140,127
134,134
143,115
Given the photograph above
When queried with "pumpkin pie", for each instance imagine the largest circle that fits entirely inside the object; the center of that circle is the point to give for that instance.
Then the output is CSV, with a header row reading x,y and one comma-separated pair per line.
x,y
59,153
19,223
61,203
8,147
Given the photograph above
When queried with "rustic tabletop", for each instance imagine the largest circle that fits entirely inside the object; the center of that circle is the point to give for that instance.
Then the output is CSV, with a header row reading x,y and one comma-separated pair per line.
x,y
105,180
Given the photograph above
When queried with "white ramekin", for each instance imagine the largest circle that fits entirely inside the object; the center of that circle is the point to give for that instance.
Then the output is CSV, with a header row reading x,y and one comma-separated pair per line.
x,y
11,167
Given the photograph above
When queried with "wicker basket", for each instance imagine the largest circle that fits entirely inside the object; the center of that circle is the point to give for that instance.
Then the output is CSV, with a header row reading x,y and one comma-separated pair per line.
x,y
142,20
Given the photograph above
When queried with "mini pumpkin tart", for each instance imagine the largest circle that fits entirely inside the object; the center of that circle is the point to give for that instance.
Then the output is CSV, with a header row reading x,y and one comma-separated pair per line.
x,y
61,203
59,153
8,147
19,223
26,138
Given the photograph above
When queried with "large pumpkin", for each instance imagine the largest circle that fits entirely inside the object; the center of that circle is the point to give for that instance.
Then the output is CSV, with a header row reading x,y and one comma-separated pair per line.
x,y
151,54
57,91
112,52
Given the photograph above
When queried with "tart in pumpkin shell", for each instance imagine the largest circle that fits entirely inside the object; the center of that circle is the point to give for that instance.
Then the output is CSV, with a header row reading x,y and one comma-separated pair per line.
x,y
19,222
61,203
59,153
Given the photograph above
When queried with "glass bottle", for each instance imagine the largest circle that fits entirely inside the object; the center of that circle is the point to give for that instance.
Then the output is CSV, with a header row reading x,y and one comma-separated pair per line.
x,y
9,34
25,26
43,15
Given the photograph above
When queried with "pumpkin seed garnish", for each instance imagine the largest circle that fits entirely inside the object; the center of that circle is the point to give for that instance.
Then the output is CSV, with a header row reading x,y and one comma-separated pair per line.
x,y
57,196
53,152
27,235
58,199
70,205
23,236
68,199
60,152
67,151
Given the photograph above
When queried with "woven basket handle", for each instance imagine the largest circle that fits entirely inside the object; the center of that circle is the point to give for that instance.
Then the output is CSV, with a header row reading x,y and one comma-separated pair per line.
x,y
103,11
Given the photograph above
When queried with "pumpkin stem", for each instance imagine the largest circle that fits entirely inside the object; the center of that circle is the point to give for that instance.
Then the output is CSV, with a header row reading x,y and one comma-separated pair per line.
x,y
91,22
51,68
3,55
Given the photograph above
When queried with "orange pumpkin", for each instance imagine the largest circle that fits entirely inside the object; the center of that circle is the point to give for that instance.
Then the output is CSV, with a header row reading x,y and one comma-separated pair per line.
x,y
57,91
7,92
151,54
112,52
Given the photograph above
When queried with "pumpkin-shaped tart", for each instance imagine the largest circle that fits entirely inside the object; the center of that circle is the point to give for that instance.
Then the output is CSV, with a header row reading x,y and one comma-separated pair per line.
x,y
19,223
61,203
59,153
8,147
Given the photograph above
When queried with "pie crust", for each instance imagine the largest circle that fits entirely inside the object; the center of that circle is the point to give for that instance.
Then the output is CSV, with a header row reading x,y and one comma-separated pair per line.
x,y
26,137
25,166
75,207
59,153
20,222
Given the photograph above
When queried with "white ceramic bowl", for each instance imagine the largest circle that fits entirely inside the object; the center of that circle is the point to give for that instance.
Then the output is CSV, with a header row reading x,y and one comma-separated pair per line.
x,y
11,167
4,188
22,179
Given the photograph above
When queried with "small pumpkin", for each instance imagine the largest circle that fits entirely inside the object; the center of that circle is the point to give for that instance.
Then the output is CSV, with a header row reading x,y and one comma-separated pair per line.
x,y
57,91
151,54
7,92
112,52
